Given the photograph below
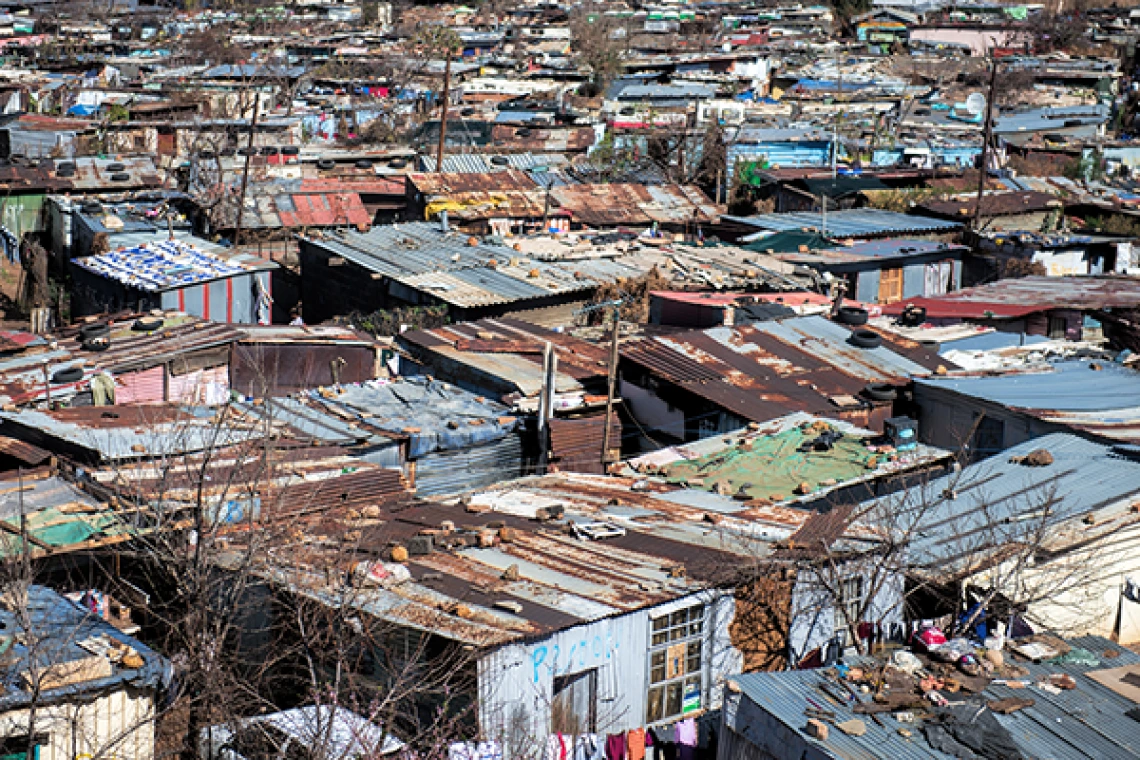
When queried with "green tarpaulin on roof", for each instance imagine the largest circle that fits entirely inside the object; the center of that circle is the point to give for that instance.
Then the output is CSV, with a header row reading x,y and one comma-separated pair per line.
x,y
790,242
774,467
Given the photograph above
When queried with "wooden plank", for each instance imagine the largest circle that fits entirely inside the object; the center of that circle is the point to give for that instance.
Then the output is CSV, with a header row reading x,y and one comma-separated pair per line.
x,y
10,528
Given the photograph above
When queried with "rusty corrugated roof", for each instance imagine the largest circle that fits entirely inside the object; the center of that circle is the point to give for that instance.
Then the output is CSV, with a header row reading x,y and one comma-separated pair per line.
x,y
766,369
1016,297
617,204
509,353
457,590
322,210
22,375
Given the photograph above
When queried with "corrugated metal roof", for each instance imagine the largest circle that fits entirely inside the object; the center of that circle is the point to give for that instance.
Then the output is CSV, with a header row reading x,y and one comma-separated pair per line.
x,y
1105,401
853,223
163,265
1052,119
90,174
562,581
127,432
1088,721
432,415
22,375
995,204
288,480
61,626
975,514
478,163
322,210
561,139
446,266
1016,297
472,347
23,451
764,370
675,91
618,204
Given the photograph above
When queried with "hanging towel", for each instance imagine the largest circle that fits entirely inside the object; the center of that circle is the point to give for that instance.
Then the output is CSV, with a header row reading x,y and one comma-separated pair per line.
x,y
615,747
687,732
635,744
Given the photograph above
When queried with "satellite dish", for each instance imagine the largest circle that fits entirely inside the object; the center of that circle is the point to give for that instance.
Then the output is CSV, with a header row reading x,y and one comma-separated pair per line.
x,y
976,103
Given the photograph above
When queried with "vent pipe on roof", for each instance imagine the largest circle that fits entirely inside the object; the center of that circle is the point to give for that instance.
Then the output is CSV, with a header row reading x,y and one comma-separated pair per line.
x,y
443,222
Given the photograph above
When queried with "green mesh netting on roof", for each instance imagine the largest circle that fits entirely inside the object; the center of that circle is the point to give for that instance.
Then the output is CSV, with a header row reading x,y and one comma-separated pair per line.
x,y
774,466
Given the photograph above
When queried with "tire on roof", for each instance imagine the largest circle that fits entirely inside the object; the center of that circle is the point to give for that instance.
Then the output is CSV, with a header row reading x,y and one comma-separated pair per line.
x,y
866,339
851,315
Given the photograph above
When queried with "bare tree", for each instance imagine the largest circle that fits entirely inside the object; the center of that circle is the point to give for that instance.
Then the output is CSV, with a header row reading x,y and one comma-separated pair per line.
x,y
600,42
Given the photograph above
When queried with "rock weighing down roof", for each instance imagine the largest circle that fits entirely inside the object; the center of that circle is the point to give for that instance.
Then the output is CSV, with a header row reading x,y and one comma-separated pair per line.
x,y
663,547
450,268
66,633
435,416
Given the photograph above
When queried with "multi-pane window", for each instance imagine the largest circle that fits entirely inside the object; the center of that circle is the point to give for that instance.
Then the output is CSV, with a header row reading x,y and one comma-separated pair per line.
x,y
676,655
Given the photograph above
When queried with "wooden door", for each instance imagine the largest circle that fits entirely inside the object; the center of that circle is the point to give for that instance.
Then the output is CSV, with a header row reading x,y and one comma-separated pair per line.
x,y
890,285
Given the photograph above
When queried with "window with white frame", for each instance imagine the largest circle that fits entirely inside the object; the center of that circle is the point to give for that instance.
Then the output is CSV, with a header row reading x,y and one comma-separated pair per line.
x,y
676,657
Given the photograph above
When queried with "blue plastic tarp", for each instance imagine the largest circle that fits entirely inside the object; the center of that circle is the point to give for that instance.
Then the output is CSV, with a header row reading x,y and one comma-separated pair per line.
x,y
436,416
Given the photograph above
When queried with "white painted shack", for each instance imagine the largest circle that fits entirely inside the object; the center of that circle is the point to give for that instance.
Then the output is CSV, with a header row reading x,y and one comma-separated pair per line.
x,y
80,688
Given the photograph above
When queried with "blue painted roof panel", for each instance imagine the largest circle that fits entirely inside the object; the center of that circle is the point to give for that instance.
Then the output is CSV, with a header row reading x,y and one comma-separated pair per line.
x,y
854,223
1070,386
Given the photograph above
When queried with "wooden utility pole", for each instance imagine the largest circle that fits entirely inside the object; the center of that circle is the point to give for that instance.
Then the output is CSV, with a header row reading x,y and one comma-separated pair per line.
x,y
988,135
612,384
546,403
245,170
443,114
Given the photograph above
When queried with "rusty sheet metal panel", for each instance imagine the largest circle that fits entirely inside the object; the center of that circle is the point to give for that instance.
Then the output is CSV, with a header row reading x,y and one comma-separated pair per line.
x,y
614,204
25,452
371,487
576,443
203,386
322,210
146,386
278,369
